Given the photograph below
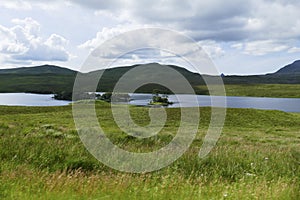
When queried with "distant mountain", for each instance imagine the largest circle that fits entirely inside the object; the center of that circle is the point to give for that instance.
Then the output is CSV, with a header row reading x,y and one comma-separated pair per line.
x,y
54,79
293,68
289,74
38,70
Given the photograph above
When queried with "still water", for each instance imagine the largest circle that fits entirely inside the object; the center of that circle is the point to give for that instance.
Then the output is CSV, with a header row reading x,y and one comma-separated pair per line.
x,y
283,104
27,99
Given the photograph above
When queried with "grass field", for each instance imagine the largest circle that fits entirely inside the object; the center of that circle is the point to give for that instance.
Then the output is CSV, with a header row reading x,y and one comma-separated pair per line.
x,y
42,157
262,90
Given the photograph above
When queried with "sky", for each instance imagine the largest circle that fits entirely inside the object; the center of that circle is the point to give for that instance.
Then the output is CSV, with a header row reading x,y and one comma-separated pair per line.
x,y
240,37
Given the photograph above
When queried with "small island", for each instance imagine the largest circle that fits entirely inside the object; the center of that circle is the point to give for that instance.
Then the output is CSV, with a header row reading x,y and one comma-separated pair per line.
x,y
114,97
159,99
107,96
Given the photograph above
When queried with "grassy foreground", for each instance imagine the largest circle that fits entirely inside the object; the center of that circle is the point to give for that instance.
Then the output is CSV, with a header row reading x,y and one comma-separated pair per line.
x,y
257,157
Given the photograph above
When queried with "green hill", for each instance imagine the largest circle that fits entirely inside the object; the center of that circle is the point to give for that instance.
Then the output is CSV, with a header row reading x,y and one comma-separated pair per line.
x,y
41,79
54,79
38,70
147,71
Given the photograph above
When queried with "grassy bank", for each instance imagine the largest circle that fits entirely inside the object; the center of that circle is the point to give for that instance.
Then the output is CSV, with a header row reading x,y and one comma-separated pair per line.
x,y
257,157
262,90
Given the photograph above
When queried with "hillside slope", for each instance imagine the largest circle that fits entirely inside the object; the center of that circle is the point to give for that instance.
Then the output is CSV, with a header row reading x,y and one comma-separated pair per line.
x,y
43,79
38,70
54,79
293,68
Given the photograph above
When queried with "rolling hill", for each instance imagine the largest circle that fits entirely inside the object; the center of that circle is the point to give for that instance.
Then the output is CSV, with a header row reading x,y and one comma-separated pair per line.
x,y
54,79
39,70
44,79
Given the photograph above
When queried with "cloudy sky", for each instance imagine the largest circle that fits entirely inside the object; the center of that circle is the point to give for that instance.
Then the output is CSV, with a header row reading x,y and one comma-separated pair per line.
x,y
241,37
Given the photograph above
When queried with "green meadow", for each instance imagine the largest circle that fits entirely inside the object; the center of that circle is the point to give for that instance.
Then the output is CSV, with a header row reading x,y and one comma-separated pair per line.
x,y
42,157
261,90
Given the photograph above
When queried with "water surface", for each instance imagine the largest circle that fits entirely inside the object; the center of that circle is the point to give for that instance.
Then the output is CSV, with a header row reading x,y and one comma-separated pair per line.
x,y
283,104
28,99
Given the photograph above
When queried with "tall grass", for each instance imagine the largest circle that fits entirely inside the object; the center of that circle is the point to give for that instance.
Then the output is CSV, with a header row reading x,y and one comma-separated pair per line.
x,y
42,157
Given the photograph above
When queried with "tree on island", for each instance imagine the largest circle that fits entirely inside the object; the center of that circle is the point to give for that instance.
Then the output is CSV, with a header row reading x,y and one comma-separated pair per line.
x,y
63,95
107,96
159,99
114,97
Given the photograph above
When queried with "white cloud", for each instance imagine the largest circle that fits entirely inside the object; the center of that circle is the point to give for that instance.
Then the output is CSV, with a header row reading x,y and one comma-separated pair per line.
x,y
105,34
30,27
262,47
23,43
294,50
9,43
140,37
213,49
43,52
238,46
56,41
277,20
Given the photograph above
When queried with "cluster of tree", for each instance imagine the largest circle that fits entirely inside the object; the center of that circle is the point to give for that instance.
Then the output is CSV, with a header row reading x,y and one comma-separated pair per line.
x,y
159,99
63,96
114,97
68,96
107,96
